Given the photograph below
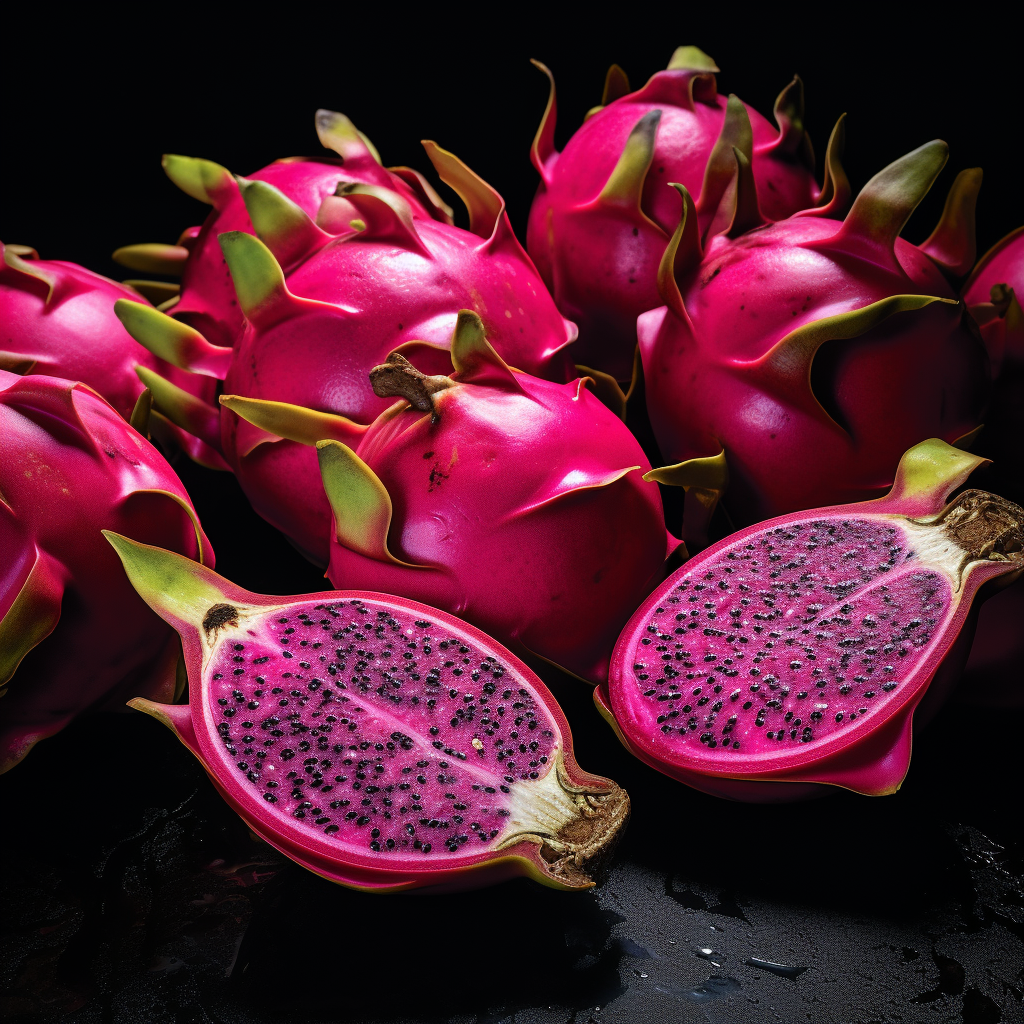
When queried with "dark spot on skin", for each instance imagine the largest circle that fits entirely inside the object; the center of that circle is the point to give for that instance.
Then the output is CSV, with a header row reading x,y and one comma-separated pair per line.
x,y
220,615
437,476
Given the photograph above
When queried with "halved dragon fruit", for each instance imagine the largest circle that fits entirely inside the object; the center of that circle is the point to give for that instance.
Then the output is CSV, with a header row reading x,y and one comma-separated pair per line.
x,y
513,502
323,308
813,352
58,319
603,214
207,298
796,654
74,636
376,741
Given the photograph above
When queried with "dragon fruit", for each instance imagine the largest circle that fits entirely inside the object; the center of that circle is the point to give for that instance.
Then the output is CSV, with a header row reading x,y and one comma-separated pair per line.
x,y
996,664
812,352
603,214
323,308
795,654
73,634
991,296
59,320
207,298
376,741
511,501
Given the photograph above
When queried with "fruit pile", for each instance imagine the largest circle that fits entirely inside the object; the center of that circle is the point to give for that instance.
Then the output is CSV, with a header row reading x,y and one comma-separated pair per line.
x,y
703,445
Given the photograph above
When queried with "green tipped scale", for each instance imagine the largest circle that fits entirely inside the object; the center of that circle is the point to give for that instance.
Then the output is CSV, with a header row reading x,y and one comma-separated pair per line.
x,y
602,213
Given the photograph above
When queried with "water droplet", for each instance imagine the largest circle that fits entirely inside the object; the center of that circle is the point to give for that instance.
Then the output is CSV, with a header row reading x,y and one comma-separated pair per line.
x,y
782,970
716,987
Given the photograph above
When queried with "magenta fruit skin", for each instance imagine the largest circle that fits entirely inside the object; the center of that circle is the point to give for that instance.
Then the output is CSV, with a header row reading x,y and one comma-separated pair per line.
x,y
59,321
207,300
992,292
521,507
347,307
322,308
207,296
381,743
599,249
74,636
815,638
812,351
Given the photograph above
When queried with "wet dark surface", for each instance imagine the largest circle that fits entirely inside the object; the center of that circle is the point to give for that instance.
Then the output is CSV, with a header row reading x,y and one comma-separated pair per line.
x,y
133,894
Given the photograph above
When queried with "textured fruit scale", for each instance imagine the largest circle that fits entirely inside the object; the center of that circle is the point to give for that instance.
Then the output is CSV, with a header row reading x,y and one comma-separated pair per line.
x,y
376,741
794,653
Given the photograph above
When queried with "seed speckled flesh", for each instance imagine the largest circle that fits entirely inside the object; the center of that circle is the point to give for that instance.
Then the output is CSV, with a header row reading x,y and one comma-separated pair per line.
x,y
784,640
376,729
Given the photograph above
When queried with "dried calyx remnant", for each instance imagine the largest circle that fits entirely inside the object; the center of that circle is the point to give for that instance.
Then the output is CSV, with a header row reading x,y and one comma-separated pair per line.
x,y
219,615
584,845
984,526
398,378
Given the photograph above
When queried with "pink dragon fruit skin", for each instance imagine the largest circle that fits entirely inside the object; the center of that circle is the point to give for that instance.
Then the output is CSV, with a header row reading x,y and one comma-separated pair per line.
x,y
74,636
737,360
456,801
1002,264
59,320
818,640
602,214
323,308
996,664
207,301
508,500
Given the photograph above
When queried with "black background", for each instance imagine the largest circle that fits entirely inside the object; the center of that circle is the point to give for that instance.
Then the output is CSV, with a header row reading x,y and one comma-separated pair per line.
x,y
132,894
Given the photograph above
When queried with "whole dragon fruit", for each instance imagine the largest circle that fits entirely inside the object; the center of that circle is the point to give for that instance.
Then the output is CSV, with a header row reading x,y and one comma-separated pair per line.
x,y
323,308
812,352
602,214
797,653
381,743
74,636
207,298
991,294
58,319
996,664
511,501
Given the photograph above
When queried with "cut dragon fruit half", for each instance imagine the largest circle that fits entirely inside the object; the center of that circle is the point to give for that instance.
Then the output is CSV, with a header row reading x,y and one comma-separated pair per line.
x,y
376,741
795,653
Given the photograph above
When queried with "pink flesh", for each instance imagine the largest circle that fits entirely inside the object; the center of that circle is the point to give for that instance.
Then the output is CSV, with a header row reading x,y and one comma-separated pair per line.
x,y
783,641
354,723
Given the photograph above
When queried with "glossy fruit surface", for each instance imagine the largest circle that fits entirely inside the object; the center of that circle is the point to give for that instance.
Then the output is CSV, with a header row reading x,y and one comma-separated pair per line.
x,y
324,302
74,636
809,354
513,502
604,211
